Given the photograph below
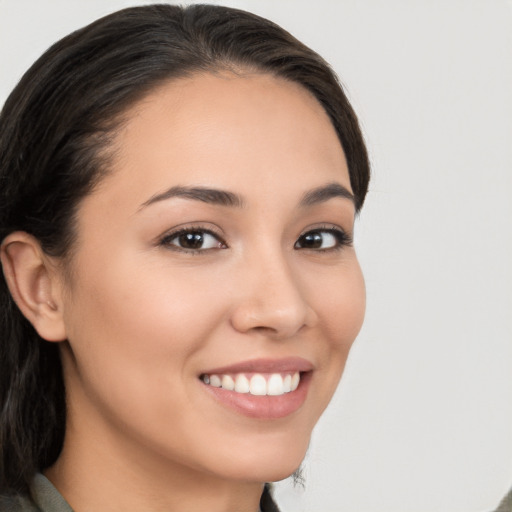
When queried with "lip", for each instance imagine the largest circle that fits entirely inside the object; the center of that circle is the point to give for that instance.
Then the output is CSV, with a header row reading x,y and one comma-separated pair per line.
x,y
288,364
263,407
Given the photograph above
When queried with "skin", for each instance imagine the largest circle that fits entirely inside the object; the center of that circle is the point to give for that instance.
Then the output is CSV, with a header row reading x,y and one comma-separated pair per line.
x,y
144,317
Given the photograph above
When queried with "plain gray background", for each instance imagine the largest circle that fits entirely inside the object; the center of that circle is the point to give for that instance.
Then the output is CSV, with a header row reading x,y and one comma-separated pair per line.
x,y
423,419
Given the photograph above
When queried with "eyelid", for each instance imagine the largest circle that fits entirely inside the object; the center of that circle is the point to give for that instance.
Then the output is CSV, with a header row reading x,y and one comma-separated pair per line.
x,y
326,227
164,239
344,237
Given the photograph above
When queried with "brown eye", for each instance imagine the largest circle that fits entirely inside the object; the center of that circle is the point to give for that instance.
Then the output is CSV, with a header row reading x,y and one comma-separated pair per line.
x,y
311,241
322,239
193,240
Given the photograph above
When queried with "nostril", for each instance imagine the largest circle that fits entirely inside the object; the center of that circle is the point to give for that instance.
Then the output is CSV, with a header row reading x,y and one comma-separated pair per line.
x,y
264,329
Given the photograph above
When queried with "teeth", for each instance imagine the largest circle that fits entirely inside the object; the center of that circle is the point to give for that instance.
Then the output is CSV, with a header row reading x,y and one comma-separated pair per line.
x,y
215,381
258,385
287,384
274,384
228,382
295,381
241,384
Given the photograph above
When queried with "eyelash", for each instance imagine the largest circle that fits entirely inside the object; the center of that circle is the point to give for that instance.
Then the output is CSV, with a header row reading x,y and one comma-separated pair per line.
x,y
166,240
342,239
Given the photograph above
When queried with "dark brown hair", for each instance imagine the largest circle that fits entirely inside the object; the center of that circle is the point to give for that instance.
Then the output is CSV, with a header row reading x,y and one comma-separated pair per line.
x,y
54,130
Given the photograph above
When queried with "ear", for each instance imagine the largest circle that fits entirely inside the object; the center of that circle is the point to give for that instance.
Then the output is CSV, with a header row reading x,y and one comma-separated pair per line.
x,y
34,283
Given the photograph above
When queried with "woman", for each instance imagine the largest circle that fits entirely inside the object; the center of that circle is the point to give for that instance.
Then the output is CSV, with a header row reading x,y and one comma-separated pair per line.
x,y
181,291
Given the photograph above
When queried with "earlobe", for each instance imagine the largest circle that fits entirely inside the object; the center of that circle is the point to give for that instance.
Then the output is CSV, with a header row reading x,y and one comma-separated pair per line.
x,y
34,284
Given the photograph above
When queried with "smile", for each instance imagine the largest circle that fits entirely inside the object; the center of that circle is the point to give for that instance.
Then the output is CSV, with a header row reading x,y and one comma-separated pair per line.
x,y
266,389
258,384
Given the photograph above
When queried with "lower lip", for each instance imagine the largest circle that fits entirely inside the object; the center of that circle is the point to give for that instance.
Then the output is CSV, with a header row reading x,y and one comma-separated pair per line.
x,y
263,407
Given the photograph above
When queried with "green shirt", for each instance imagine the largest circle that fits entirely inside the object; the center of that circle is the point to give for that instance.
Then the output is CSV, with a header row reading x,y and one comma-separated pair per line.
x,y
506,503
45,498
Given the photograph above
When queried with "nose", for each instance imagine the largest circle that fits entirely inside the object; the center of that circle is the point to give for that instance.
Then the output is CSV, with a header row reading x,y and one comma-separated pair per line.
x,y
272,300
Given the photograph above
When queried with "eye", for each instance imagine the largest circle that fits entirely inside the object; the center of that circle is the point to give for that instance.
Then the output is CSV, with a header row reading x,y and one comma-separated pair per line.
x,y
323,239
193,240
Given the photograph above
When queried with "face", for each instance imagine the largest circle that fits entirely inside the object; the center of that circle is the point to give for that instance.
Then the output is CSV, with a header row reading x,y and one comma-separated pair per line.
x,y
216,255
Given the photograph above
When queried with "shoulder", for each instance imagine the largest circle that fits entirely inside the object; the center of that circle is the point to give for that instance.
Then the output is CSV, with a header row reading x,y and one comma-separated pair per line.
x,y
43,497
17,504
506,504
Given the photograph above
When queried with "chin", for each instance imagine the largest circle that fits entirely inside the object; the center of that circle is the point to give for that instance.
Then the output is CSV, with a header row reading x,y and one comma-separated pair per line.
x,y
272,471
278,474
268,463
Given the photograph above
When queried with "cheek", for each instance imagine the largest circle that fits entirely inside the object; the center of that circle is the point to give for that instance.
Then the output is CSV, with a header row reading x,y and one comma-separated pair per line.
x,y
341,304
133,327
133,301
135,344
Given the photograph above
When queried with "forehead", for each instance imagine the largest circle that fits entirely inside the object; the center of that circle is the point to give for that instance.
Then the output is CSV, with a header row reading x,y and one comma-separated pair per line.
x,y
248,132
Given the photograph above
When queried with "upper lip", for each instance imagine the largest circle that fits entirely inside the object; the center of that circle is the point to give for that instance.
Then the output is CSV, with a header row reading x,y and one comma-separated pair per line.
x,y
288,364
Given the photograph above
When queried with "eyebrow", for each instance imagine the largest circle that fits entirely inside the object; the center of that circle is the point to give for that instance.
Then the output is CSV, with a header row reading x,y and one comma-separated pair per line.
x,y
226,198
204,194
324,193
